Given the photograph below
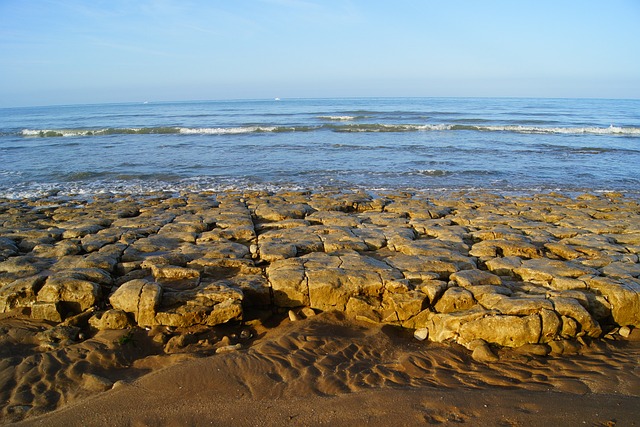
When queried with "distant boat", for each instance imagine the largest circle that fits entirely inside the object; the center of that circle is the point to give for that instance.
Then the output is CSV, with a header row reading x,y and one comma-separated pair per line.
x,y
276,99
145,102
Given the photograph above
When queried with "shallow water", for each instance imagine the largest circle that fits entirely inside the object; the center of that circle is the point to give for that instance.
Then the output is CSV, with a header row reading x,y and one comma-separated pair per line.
x,y
505,144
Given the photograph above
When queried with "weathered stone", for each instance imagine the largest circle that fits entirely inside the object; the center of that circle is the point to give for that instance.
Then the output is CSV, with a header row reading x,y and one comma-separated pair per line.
x,y
544,270
506,331
514,305
446,326
504,266
282,211
569,327
139,297
563,251
454,299
332,280
399,307
570,307
506,248
622,269
76,295
289,283
273,250
483,353
566,283
172,272
433,288
110,319
623,295
475,277
50,311
20,293
362,309
210,304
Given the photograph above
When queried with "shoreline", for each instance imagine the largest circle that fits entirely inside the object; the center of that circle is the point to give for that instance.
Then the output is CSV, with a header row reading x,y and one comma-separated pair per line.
x,y
498,280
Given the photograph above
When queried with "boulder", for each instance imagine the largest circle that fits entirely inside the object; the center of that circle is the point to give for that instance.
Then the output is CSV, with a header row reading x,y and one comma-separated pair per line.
x,y
622,294
455,299
76,295
140,298
289,283
209,304
570,307
20,293
506,331
50,311
446,326
110,319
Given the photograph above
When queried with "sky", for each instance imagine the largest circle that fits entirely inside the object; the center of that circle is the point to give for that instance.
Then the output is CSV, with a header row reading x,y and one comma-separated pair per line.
x,y
56,52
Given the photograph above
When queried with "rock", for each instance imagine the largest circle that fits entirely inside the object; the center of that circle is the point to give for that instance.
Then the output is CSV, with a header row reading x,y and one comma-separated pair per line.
x,y
421,334
170,272
622,294
551,325
545,270
399,307
446,326
110,319
455,299
332,280
209,304
228,348
362,309
569,327
289,283
76,295
281,211
140,298
506,248
483,353
624,331
504,266
506,331
534,349
273,250
513,305
475,277
20,293
50,311
570,307
62,335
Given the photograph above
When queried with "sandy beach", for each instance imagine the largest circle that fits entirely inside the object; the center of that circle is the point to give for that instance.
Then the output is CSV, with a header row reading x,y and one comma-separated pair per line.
x,y
309,308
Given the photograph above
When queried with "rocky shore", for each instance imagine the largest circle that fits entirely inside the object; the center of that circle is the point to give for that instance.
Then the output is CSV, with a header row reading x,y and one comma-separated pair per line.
x,y
544,274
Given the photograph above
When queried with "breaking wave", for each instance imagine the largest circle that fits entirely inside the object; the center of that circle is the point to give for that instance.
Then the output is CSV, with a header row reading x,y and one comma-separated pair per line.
x,y
350,127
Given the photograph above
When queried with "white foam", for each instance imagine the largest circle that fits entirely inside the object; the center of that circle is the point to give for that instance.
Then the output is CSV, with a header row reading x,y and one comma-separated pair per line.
x,y
226,131
592,130
337,118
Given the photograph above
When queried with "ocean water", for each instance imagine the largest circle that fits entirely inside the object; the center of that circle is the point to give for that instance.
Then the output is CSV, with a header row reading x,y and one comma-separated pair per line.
x,y
496,144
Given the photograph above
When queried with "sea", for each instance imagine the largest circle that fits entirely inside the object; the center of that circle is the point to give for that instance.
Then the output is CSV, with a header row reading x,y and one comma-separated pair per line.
x,y
502,145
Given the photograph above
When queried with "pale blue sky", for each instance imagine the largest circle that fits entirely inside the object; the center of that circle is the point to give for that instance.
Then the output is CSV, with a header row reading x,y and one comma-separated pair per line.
x,y
93,51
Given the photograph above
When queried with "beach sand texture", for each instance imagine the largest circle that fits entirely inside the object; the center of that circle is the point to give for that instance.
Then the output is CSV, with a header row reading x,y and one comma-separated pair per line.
x,y
301,308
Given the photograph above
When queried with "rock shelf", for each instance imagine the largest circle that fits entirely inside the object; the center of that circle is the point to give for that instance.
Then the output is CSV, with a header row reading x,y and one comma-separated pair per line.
x,y
478,269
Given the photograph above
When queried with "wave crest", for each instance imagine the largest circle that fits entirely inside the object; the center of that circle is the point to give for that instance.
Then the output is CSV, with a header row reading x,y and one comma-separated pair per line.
x,y
350,127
